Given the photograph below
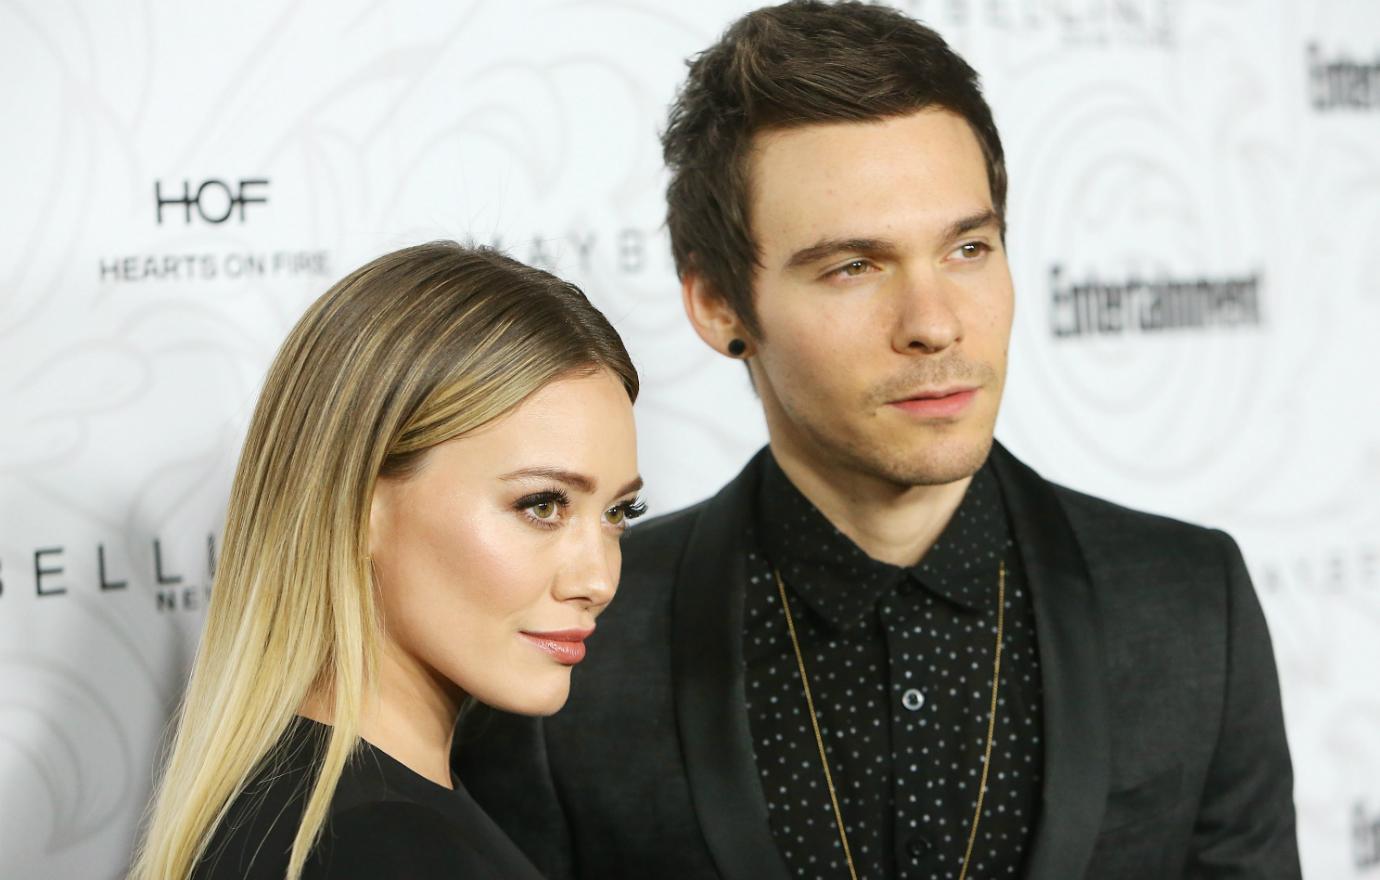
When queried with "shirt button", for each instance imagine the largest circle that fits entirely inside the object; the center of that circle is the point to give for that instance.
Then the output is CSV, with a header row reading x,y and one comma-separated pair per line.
x,y
917,848
913,700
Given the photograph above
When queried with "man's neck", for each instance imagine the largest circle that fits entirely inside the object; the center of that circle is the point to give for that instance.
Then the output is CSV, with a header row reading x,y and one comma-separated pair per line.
x,y
890,523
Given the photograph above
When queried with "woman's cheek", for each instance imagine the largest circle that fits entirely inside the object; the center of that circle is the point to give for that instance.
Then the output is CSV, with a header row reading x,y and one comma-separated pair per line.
x,y
493,557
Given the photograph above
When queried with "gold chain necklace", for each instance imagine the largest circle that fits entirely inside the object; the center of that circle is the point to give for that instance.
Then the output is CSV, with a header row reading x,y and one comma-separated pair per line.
x,y
819,738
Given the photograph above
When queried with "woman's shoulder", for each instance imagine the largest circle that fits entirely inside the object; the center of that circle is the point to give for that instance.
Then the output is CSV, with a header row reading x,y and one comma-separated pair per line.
x,y
397,839
254,838
370,840
384,821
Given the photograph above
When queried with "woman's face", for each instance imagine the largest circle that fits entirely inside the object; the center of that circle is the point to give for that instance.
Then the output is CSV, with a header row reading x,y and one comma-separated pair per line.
x,y
495,557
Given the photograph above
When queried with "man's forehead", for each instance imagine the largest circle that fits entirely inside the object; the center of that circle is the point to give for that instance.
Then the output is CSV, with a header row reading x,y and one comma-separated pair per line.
x,y
842,135
875,179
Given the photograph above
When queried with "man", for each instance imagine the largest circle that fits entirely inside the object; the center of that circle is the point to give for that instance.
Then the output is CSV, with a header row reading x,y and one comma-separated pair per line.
x,y
888,648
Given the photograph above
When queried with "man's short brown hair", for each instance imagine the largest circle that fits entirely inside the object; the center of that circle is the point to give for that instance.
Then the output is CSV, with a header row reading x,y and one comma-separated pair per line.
x,y
783,66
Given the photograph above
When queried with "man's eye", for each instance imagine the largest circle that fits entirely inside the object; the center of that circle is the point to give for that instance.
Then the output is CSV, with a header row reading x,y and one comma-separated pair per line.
x,y
856,267
973,249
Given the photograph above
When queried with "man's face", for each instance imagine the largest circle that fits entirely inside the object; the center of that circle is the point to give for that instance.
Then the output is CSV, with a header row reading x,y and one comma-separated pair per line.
x,y
884,296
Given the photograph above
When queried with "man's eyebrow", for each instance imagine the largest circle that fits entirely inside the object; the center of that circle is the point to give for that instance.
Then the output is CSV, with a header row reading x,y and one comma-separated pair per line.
x,y
570,478
967,224
828,247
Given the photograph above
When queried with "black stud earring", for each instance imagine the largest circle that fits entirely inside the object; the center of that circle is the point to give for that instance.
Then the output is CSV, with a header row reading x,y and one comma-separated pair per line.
x,y
736,347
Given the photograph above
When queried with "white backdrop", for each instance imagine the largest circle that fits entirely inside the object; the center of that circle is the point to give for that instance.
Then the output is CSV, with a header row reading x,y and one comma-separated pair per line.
x,y
1195,234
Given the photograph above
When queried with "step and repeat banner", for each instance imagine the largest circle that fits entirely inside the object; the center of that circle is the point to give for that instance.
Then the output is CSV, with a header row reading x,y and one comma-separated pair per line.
x,y
1195,237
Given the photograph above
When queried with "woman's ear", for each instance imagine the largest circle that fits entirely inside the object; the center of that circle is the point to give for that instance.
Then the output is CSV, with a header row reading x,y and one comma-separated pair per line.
x,y
381,506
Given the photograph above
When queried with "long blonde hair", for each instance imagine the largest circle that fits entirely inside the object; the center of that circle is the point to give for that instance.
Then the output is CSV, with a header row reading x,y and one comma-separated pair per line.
x,y
420,346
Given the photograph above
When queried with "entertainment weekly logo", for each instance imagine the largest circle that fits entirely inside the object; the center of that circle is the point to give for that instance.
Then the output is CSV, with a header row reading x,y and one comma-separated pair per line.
x,y
210,203
1092,306
1081,22
1339,82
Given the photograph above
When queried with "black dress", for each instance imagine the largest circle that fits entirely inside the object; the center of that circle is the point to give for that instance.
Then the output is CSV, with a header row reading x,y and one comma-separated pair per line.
x,y
385,821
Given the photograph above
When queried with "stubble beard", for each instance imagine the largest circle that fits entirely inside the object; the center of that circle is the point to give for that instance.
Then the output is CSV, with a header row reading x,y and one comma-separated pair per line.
x,y
928,461
928,455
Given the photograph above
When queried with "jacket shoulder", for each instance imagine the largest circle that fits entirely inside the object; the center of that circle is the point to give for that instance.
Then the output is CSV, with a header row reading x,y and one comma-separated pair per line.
x,y
652,546
1151,567
1107,529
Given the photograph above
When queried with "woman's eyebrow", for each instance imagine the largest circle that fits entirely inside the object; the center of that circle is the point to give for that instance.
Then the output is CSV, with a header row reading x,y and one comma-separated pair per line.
x,y
575,480
561,475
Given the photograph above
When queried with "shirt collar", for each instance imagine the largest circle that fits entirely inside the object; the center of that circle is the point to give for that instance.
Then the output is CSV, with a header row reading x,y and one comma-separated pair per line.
x,y
841,583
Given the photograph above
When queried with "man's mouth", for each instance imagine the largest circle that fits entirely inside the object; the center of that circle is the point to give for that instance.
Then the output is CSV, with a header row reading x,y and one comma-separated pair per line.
x,y
938,403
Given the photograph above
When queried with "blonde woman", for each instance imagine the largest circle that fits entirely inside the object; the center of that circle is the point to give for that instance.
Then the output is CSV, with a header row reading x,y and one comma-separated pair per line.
x,y
427,511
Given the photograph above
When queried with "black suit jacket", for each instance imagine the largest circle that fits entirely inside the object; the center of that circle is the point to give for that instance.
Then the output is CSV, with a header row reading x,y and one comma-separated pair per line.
x,y
1164,754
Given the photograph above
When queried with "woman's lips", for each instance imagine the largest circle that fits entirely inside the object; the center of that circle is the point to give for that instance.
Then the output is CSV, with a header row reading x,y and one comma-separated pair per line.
x,y
937,405
566,646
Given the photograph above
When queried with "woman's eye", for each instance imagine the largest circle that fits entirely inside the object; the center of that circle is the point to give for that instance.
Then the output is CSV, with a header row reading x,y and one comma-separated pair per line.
x,y
624,513
544,510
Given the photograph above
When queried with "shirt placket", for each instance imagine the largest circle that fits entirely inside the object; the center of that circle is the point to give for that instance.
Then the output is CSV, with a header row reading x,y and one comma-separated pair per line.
x,y
910,714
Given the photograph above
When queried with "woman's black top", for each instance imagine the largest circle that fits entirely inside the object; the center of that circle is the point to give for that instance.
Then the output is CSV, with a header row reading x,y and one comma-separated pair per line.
x,y
385,821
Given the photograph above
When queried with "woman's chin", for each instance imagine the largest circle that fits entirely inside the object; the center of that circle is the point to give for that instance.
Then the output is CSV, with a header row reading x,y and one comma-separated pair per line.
x,y
532,698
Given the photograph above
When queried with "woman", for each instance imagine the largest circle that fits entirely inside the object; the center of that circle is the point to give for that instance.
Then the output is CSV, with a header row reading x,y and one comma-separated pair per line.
x,y
427,510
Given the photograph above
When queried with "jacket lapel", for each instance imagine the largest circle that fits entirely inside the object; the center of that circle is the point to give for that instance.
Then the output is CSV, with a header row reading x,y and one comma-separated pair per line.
x,y
1077,752
711,703
711,707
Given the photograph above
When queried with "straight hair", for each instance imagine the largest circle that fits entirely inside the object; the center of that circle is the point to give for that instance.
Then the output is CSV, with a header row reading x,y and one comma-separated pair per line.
x,y
417,347
779,67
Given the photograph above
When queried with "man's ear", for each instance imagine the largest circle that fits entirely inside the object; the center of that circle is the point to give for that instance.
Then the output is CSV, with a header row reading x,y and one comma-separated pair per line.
x,y
711,316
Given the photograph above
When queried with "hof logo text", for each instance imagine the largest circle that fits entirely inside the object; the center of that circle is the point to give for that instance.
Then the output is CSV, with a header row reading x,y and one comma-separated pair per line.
x,y
214,200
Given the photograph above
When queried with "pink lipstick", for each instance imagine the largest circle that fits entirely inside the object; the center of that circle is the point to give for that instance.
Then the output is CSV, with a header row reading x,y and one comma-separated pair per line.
x,y
566,646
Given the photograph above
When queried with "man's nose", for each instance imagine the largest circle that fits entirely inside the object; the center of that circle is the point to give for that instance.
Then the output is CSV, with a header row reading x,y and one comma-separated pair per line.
x,y
925,321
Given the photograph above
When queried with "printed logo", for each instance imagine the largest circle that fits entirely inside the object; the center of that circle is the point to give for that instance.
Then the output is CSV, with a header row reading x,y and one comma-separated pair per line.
x,y
628,250
1086,22
171,589
215,201
1365,830
231,266
212,202
1092,307
1342,83
1337,571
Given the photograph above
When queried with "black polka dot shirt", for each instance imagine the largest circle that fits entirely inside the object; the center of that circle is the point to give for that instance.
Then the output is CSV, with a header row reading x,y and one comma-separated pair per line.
x,y
900,665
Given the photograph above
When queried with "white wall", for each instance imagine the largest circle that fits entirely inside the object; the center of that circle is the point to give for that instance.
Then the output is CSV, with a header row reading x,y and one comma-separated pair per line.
x,y
1148,140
